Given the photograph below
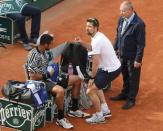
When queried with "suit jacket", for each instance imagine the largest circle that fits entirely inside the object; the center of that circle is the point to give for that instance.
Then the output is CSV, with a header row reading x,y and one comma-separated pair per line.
x,y
132,42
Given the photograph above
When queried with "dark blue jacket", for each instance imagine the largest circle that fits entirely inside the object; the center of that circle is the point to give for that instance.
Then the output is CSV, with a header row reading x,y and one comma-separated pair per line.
x,y
132,42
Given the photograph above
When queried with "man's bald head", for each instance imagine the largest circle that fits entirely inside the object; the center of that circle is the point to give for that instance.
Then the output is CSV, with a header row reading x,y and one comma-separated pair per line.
x,y
127,5
126,9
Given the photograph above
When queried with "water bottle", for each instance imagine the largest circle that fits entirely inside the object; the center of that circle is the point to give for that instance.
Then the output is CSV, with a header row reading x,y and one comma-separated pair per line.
x,y
90,65
70,69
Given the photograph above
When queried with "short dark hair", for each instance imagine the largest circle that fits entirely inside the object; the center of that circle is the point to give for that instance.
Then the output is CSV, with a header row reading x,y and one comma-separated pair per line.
x,y
94,21
46,39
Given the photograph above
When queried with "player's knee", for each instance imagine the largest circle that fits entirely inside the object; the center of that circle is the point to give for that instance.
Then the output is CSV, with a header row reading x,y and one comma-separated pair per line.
x,y
58,91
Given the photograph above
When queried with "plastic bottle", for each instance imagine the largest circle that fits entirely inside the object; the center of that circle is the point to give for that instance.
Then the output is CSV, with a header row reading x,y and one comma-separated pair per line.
x,y
89,68
70,69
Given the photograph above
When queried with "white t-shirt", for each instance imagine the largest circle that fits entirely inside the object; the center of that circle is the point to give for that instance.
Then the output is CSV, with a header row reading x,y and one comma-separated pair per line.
x,y
108,59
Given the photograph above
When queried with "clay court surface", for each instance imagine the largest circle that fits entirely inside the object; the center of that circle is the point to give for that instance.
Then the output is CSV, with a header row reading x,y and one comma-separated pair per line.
x,y
67,20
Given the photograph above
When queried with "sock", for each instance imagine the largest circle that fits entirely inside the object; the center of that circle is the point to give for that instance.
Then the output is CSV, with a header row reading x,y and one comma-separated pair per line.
x,y
74,104
60,114
99,114
105,108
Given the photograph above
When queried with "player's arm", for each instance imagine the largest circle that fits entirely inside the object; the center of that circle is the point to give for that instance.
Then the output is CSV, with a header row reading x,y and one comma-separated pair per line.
x,y
86,45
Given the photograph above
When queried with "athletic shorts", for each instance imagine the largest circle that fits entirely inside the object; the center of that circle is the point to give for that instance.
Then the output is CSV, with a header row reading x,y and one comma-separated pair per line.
x,y
102,77
49,85
62,80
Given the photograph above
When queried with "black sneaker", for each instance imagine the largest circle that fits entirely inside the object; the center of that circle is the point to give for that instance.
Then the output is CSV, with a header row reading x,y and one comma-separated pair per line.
x,y
129,104
118,98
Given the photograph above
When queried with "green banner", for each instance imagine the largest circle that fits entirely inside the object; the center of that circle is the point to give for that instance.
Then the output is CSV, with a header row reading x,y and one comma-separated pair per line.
x,y
20,116
14,115
43,4
11,6
8,31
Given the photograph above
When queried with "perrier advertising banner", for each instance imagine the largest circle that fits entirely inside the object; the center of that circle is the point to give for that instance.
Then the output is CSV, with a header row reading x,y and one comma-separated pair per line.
x,y
8,31
20,116
11,6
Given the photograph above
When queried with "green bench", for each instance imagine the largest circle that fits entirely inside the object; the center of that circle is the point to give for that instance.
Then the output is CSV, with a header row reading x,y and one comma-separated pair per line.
x,y
43,4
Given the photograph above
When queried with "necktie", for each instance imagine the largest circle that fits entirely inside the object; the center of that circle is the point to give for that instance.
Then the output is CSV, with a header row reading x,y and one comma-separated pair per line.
x,y
124,27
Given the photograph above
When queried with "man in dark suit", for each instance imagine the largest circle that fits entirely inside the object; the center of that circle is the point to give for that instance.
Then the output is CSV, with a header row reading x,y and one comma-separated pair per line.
x,y
129,45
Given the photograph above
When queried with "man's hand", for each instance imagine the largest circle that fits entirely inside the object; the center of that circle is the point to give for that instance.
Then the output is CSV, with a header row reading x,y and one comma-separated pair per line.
x,y
137,64
78,39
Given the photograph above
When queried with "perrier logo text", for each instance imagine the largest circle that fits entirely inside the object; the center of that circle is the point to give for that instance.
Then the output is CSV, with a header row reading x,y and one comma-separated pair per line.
x,y
14,115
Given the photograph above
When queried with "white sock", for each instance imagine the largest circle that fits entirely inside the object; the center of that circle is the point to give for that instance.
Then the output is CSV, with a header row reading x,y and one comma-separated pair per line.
x,y
100,114
105,108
